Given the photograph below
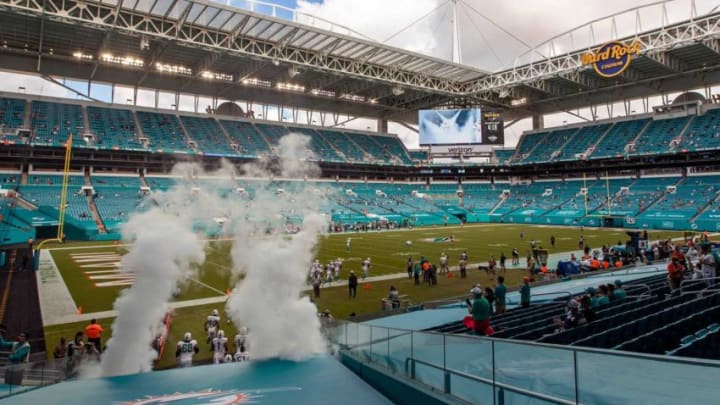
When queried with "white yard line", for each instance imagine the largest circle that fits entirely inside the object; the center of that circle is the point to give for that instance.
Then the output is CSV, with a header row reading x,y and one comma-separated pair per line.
x,y
55,299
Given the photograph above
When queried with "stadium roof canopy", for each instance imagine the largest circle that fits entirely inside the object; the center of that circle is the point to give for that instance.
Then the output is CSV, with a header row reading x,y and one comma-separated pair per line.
x,y
206,48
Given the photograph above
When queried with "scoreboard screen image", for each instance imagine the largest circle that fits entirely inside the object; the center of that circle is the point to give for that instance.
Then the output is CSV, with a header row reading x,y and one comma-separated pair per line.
x,y
461,127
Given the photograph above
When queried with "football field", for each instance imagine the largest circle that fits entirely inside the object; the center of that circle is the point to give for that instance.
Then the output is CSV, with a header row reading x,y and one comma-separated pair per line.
x,y
91,271
93,277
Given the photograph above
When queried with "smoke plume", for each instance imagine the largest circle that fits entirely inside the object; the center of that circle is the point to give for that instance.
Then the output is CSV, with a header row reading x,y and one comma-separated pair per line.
x,y
274,263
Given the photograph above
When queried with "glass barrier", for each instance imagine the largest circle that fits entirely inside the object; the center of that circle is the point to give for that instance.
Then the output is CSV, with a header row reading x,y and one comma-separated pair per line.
x,y
18,378
487,370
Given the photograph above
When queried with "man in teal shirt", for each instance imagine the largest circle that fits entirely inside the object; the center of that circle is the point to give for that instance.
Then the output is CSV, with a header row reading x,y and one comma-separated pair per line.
x,y
620,293
525,293
19,351
480,310
592,293
500,291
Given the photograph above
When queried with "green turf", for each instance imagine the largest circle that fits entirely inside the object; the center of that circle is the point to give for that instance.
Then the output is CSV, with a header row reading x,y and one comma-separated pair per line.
x,y
184,320
214,275
387,250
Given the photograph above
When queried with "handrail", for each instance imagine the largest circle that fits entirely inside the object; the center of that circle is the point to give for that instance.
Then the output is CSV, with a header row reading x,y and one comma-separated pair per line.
x,y
511,388
579,349
690,280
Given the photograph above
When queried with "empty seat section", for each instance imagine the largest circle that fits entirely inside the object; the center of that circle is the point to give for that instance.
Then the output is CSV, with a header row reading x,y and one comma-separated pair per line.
x,y
614,142
53,123
45,190
321,148
164,132
272,133
376,152
250,141
659,134
352,152
12,114
113,128
639,195
526,145
581,142
503,156
702,133
550,145
208,135
393,148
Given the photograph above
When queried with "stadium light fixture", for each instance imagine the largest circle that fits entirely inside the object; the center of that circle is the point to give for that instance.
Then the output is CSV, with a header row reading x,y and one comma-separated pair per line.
x,y
119,60
173,69
82,56
519,101
256,82
398,91
290,87
206,74
293,71
321,92
276,62
353,97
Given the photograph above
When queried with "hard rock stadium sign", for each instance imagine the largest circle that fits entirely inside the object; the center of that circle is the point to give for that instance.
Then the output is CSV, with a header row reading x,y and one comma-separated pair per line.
x,y
611,59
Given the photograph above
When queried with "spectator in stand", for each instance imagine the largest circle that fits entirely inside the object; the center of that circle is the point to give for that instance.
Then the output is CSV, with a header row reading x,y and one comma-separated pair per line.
x,y
94,334
75,353
525,293
572,317
611,292
19,351
479,308
707,264
61,349
490,297
620,294
592,294
675,273
500,291
587,309
603,295
352,284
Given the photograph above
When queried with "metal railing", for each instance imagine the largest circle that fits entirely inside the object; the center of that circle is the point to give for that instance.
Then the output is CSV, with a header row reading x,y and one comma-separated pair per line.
x,y
22,377
476,369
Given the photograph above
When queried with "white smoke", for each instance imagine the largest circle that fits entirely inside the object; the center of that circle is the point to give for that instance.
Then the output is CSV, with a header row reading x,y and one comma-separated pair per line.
x,y
167,245
164,249
268,300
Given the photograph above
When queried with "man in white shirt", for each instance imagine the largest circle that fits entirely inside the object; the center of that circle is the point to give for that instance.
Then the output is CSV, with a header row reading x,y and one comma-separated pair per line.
x,y
707,264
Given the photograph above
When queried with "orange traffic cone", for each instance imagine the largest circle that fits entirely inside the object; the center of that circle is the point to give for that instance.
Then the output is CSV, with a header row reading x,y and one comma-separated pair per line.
x,y
79,310
449,275
367,286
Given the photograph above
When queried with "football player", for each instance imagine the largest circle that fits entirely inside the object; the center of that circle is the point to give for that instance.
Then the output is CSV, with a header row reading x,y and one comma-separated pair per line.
x,y
186,349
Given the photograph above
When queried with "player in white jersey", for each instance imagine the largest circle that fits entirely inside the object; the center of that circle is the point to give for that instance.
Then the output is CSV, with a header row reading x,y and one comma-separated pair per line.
x,y
186,349
242,345
219,347
212,324
337,269
366,268
444,263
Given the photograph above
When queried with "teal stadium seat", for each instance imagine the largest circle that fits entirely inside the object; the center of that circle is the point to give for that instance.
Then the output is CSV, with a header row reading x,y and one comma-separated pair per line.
x,y
53,123
114,128
250,141
164,132
208,135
